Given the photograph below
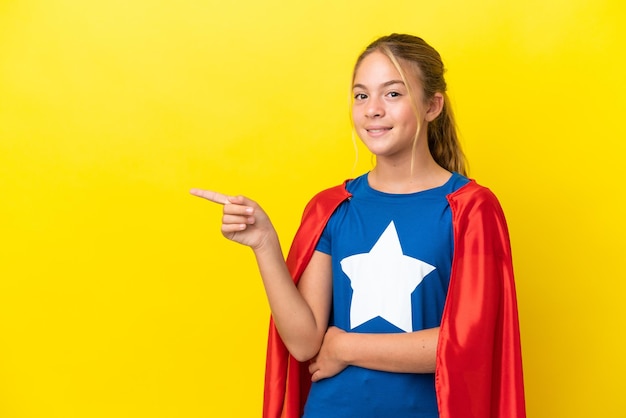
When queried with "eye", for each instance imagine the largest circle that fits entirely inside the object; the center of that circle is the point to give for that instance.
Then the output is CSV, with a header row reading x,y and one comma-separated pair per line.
x,y
360,96
394,94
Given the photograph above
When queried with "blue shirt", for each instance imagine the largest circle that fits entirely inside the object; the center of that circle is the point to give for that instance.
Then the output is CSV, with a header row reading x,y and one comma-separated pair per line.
x,y
391,260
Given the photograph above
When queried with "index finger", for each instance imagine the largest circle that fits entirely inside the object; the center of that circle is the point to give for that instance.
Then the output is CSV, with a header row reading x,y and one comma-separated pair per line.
x,y
210,195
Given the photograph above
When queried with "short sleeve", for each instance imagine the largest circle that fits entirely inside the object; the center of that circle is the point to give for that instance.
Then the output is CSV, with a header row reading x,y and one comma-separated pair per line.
x,y
323,245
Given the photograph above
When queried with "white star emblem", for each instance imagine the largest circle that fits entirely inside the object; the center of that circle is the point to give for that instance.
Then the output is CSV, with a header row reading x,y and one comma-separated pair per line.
x,y
382,282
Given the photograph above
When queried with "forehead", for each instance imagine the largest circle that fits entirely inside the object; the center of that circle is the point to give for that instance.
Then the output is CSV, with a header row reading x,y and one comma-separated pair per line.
x,y
376,68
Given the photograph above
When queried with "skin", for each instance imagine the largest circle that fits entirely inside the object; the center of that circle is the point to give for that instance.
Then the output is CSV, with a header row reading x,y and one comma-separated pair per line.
x,y
381,100
300,313
384,116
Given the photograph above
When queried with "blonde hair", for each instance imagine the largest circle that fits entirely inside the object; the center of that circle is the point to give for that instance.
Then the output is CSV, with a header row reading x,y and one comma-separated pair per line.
x,y
443,141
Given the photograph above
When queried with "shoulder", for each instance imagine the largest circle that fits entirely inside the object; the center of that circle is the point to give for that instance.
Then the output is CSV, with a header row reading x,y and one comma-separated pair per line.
x,y
335,193
477,215
473,196
328,199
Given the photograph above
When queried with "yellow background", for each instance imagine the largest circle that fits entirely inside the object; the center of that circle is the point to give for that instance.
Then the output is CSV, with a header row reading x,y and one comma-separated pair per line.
x,y
118,295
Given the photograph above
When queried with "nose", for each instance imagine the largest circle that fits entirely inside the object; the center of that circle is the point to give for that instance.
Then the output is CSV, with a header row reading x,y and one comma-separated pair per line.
x,y
375,108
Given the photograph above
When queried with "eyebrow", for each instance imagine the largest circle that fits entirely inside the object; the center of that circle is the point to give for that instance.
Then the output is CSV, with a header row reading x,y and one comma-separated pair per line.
x,y
385,84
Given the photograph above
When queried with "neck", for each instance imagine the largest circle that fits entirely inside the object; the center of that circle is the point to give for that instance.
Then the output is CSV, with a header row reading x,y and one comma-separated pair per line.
x,y
404,177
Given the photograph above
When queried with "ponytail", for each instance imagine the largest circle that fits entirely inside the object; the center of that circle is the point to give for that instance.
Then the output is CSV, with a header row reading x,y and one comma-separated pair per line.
x,y
443,140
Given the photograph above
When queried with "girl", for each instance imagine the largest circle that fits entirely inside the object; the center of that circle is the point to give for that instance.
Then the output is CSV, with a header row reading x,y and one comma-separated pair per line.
x,y
397,297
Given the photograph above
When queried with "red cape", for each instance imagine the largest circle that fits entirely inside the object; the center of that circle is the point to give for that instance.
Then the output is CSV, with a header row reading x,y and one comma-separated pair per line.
x,y
479,367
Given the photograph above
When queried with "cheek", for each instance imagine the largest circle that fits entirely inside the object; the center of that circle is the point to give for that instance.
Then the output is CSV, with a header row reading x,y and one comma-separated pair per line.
x,y
355,115
409,117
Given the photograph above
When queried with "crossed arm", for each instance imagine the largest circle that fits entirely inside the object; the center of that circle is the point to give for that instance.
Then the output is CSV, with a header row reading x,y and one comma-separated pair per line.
x,y
301,312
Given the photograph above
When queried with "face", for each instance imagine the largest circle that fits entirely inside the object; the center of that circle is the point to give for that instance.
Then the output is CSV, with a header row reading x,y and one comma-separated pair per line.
x,y
383,113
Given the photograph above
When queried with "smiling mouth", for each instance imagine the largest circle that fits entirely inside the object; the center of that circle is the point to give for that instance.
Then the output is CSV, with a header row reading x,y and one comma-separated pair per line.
x,y
377,130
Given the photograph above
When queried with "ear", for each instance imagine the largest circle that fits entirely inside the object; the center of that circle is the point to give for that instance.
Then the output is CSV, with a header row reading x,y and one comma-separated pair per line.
x,y
435,107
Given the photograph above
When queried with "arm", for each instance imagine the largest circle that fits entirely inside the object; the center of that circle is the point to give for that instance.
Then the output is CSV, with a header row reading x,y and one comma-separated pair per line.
x,y
300,313
413,352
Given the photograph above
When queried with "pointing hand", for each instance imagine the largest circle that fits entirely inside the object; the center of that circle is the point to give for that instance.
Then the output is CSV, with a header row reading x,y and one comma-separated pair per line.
x,y
243,220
